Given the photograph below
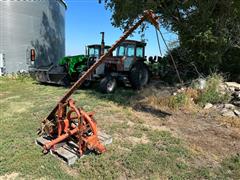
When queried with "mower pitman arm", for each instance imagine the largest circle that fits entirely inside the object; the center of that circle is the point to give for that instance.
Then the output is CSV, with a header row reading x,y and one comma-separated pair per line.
x,y
148,15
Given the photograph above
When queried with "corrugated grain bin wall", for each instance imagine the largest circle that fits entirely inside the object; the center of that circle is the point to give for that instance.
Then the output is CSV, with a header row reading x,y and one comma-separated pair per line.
x,y
31,24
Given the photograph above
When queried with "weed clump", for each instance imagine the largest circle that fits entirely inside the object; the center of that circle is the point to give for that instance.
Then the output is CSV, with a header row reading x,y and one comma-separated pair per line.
x,y
188,98
180,100
212,93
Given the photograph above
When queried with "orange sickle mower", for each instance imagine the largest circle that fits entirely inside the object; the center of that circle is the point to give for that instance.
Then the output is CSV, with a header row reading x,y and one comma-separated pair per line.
x,y
70,132
75,123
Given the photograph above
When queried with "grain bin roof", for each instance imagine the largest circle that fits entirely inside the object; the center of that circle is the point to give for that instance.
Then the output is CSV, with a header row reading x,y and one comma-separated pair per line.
x,y
61,1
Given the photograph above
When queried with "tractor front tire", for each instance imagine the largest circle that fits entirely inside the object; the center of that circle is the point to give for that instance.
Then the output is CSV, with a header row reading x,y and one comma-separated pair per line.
x,y
108,84
139,75
87,84
66,81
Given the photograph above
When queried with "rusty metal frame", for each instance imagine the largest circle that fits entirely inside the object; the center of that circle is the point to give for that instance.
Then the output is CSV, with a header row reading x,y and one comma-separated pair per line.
x,y
67,128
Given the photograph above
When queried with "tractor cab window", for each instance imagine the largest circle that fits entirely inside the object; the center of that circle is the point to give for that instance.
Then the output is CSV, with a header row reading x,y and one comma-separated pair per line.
x,y
93,52
139,52
121,51
114,53
130,51
106,50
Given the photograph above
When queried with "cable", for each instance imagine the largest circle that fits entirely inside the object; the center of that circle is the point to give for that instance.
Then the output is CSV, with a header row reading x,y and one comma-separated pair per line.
x,y
159,46
173,61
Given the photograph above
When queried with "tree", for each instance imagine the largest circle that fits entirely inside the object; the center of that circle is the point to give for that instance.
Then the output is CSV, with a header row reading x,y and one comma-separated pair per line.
x,y
207,30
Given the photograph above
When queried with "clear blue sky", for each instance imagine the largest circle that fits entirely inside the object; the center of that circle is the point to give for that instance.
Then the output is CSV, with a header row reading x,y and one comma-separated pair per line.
x,y
85,19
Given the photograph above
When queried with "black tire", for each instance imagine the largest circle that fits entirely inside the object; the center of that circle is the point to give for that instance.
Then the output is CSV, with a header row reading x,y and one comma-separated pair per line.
x,y
66,81
139,75
108,84
87,84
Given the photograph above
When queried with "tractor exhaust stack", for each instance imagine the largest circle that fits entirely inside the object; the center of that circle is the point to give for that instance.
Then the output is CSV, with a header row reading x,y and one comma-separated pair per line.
x,y
102,44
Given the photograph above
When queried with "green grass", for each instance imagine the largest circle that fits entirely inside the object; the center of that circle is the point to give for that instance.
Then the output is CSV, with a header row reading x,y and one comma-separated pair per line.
x,y
24,103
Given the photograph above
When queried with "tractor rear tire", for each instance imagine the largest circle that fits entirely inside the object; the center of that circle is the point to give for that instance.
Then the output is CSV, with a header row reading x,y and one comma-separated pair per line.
x,y
139,75
108,84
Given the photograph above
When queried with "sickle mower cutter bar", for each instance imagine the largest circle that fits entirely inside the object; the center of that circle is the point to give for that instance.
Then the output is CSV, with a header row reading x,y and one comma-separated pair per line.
x,y
70,132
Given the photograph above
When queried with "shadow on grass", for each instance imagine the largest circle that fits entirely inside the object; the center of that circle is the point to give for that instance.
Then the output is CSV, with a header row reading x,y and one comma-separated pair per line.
x,y
123,96
151,110
46,84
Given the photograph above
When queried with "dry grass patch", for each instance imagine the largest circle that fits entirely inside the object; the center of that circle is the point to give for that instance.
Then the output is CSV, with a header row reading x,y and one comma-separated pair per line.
x,y
12,176
230,121
158,99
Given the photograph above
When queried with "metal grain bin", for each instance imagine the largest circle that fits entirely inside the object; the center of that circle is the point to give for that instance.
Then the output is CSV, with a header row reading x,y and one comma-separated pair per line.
x,y
31,30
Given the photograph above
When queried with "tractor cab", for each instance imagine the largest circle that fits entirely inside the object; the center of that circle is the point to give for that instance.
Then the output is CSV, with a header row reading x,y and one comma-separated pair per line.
x,y
126,55
95,50
131,48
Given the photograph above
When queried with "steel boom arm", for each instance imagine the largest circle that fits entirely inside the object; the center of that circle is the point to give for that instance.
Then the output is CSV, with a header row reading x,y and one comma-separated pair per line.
x,y
148,15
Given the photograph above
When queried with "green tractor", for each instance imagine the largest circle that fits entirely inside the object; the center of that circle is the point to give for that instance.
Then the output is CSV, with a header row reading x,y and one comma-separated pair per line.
x,y
75,66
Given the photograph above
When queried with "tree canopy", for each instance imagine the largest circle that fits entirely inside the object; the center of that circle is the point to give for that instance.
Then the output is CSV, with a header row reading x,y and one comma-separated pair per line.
x,y
208,30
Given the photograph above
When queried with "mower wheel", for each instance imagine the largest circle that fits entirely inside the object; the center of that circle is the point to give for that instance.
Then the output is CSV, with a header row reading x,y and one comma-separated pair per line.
x,y
108,84
139,75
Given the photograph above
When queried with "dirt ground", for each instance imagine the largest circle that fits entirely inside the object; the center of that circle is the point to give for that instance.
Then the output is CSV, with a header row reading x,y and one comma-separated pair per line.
x,y
209,135
206,136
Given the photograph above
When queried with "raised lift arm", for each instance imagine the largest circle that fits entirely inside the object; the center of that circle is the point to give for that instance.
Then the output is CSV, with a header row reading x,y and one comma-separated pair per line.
x,y
148,15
